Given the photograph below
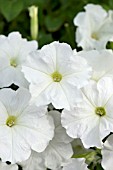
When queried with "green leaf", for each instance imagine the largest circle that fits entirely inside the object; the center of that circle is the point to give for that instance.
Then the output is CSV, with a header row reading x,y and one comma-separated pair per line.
x,y
99,167
28,3
11,9
44,38
53,23
110,4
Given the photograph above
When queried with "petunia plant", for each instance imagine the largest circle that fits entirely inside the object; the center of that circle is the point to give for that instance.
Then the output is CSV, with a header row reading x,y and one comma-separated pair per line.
x,y
56,102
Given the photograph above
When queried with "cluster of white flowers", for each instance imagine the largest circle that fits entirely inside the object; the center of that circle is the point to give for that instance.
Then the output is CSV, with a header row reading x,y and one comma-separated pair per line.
x,y
60,95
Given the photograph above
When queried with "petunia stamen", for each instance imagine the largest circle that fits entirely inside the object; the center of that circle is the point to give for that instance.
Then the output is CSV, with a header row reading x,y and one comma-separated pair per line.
x,y
13,62
100,111
95,36
57,77
10,121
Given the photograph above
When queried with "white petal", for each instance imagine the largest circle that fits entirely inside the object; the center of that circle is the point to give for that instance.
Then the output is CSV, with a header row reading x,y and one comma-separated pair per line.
x,y
4,166
15,102
60,132
56,153
3,114
107,153
35,162
75,164
39,125
100,61
14,47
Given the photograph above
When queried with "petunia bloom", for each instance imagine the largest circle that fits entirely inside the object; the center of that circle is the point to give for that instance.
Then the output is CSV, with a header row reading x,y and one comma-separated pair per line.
x,y
22,126
92,119
55,73
13,53
94,27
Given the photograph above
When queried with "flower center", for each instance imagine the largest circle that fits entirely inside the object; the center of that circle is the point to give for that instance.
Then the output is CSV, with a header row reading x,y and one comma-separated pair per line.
x,y
57,77
10,121
13,62
95,36
100,111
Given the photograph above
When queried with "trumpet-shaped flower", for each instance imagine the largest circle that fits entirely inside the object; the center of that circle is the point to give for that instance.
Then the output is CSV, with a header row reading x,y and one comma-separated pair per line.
x,y
100,61
13,53
22,126
107,153
55,73
94,27
92,119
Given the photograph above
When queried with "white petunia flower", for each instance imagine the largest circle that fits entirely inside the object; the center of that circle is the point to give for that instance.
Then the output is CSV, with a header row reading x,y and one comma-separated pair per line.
x,y
100,61
55,73
22,126
92,119
58,150
4,166
13,53
94,27
75,164
107,154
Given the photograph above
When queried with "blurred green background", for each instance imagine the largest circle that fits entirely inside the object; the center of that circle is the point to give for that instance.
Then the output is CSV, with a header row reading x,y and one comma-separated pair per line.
x,y
55,18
